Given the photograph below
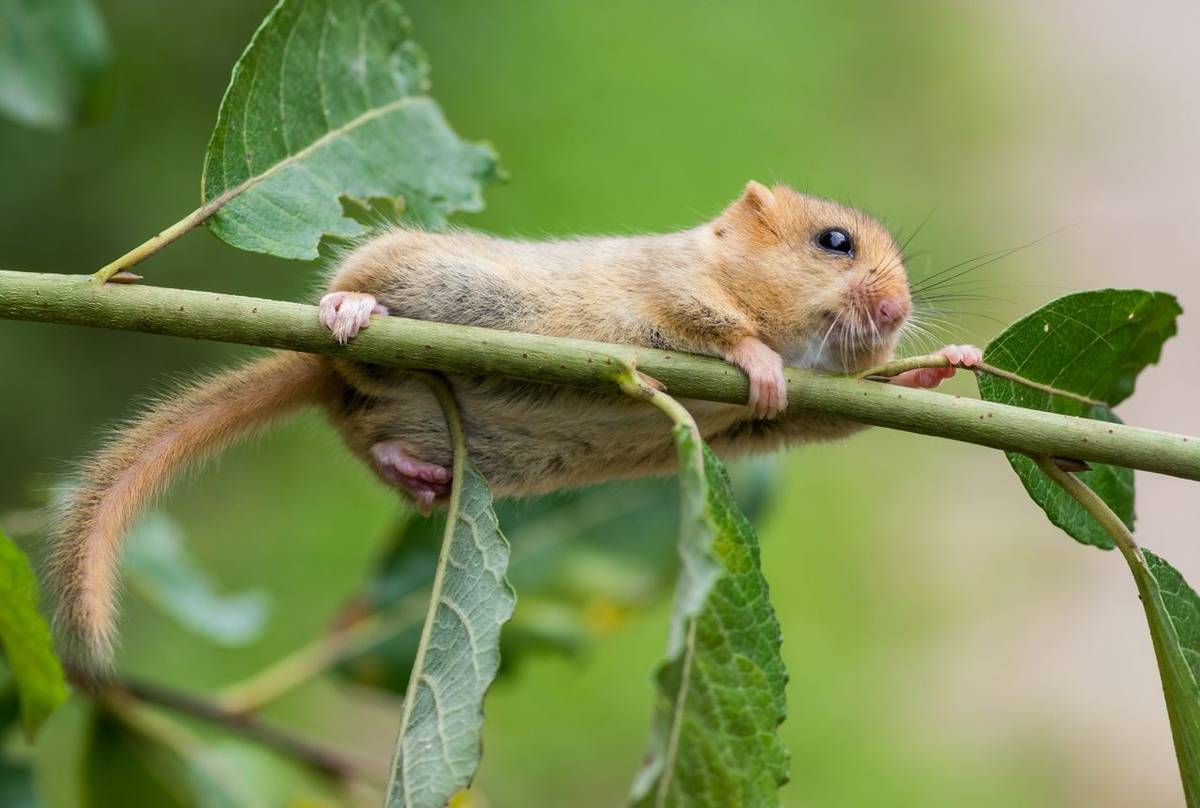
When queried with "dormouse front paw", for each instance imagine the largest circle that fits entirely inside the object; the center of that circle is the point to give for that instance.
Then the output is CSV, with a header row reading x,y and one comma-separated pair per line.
x,y
960,356
768,387
346,313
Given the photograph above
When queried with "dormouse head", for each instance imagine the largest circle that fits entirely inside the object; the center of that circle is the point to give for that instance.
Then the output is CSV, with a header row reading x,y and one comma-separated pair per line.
x,y
826,282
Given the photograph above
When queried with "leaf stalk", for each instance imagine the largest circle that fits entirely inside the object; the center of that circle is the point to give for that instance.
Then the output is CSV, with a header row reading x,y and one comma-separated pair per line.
x,y
156,242
1170,661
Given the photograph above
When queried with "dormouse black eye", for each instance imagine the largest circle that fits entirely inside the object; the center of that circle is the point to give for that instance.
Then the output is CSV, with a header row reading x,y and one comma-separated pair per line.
x,y
835,239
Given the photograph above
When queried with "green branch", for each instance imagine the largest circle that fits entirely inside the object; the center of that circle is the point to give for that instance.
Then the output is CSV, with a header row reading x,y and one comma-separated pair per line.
x,y
399,342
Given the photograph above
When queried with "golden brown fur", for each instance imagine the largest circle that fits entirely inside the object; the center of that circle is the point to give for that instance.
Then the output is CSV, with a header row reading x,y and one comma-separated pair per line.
x,y
754,273
180,432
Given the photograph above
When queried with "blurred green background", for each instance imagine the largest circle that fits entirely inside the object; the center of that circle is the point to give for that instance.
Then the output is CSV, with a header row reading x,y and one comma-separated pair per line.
x,y
615,117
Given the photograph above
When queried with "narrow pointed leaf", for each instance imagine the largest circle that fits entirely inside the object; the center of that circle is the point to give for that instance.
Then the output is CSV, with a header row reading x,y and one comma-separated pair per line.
x,y
25,639
1173,612
331,101
54,62
1092,345
720,695
439,744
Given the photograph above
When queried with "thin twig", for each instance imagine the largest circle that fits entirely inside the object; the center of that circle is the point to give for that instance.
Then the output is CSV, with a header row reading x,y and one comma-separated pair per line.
x,y
322,758
896,367
323,653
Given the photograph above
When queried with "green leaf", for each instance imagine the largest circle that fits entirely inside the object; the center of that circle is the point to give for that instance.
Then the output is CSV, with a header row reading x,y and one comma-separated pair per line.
x,y
1093,345
1182,606
582,560
26,640
720,699
331,100
1173,612
572,550
158,566
439,742
54,62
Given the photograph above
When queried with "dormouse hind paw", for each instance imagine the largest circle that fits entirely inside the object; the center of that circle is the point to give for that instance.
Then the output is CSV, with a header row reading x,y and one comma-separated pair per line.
x,y
346,313
424,482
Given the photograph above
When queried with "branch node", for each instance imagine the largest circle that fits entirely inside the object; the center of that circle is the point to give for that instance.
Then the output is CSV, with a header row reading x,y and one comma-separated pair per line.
x,y
1071,464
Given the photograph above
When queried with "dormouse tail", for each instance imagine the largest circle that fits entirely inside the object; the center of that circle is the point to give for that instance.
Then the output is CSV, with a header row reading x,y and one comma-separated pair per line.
x,y
180,432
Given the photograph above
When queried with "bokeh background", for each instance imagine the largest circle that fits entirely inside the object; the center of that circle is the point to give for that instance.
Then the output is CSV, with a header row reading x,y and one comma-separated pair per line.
x,y
946,645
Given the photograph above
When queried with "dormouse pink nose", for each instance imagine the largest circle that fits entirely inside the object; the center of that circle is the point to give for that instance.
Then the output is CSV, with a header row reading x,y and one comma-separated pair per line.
x,y
890,311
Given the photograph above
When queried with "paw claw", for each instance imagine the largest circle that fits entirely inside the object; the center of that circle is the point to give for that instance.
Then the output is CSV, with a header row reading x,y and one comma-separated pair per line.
x,y
967,356
971,356
963,355
347,313
764,367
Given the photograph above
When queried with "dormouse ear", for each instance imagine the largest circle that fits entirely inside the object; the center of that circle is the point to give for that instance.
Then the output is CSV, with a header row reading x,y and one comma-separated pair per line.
x,y
754,211
757,197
